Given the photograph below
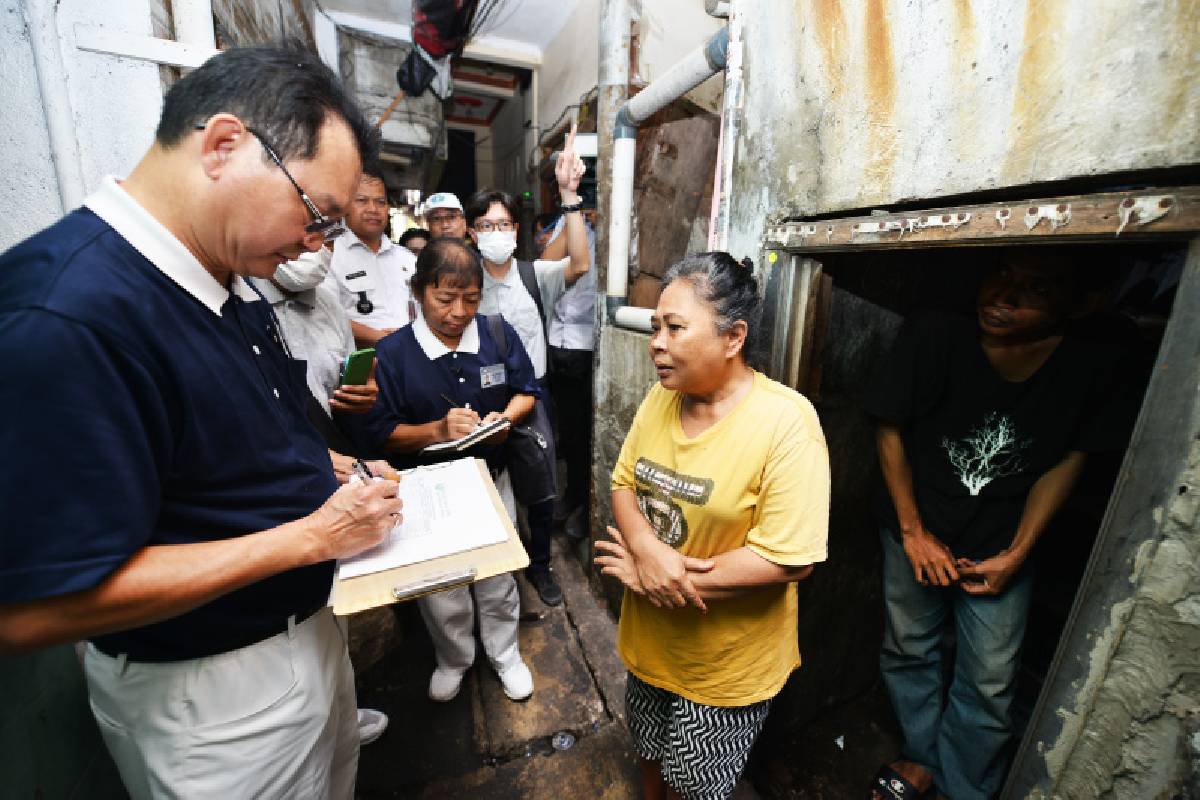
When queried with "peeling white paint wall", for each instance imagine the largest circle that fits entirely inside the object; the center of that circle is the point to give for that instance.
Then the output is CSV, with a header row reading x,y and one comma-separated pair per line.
x,y
570,64
30,189
858,103
115,104
669,30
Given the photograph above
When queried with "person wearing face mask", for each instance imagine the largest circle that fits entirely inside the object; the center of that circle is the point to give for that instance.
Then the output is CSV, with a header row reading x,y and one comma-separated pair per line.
x,y
369,272
520,291
192,536
317,331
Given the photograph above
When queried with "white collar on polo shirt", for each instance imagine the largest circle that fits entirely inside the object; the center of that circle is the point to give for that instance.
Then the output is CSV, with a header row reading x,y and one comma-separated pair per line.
x,y
433,347
350,239
161,248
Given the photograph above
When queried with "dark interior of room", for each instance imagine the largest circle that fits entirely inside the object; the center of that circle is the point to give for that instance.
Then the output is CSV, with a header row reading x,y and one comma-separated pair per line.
x,y
833,725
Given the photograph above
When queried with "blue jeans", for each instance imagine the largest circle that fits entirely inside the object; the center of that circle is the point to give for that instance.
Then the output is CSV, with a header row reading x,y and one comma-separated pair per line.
x,y
963,743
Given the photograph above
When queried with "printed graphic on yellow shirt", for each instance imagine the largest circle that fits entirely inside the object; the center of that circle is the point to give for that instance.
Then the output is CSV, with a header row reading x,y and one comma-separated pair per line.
x,y
658,488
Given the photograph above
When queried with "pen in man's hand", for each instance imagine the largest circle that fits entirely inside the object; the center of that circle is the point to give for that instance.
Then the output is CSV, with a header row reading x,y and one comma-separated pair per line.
x,y
363,471
448,399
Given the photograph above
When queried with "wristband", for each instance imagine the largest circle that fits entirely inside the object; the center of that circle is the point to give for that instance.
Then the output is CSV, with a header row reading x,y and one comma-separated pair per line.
x,y
567,209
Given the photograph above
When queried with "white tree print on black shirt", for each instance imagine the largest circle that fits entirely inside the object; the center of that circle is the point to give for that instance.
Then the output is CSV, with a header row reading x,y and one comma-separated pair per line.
x,y
993,450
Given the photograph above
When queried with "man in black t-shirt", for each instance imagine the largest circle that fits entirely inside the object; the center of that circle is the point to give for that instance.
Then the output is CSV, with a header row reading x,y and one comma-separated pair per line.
x,y
983,430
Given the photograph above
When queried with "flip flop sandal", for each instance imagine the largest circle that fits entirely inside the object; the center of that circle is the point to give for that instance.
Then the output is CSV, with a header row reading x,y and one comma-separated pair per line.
x,y
891,785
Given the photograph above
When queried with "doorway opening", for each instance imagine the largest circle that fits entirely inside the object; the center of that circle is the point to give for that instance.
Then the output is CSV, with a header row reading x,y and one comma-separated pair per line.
x,y
834,313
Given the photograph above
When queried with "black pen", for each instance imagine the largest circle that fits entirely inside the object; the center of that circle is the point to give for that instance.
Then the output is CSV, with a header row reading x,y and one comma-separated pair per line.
x,y
447,398
362,470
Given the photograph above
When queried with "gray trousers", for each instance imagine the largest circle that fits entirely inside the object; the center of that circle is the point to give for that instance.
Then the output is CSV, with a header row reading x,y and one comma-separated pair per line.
x,y
450,616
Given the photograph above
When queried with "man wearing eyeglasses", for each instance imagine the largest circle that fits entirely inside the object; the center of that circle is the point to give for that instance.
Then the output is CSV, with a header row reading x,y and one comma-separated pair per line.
x,y
369,272
520,292
444,216
164,496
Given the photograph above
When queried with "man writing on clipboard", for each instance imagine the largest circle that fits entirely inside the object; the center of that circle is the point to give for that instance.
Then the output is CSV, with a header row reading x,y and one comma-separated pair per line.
x,y
164,496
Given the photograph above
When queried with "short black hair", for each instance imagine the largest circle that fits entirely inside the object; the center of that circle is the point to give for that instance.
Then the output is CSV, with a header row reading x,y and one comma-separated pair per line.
x,y
729,286
414,233
446,256
479,203
285,91
372,171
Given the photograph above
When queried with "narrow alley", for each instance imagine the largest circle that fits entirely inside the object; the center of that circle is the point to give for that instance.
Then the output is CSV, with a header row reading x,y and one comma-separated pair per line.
x,y
840,359
568,740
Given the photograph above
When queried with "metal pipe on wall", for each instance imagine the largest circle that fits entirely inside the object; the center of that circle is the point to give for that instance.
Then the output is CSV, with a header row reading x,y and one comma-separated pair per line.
x,y
41,20
694,69
615,16
731,117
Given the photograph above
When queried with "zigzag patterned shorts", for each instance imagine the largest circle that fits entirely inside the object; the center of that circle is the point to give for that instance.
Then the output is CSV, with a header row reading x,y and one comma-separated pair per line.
x,y
703,749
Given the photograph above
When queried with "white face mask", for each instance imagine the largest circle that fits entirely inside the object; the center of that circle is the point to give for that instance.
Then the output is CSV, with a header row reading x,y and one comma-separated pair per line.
x,y
497,246
304,273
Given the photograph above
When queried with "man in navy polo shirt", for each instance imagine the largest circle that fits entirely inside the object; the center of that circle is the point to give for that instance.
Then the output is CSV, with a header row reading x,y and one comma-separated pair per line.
x,y
165,497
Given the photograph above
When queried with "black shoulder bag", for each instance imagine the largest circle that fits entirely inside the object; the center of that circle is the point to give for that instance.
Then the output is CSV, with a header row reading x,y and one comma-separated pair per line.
x,y
529,450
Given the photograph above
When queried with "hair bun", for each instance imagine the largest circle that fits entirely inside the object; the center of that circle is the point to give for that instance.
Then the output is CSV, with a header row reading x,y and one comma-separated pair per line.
x,y
747,263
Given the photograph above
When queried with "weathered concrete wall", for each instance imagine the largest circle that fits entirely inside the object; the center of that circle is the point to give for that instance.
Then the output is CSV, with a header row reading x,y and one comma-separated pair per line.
x,y
1121,717
245,22
860,103
49,743
624,373
672,194
669,30
510,150
112,128
30,190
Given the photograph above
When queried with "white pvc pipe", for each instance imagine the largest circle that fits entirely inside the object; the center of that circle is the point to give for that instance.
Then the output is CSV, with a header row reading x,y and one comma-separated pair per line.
x,y
633,318
718,236
326,35
194,22
620,216
44,40
680,79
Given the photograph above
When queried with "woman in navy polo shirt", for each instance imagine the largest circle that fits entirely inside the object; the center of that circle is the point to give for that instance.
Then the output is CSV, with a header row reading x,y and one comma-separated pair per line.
x,y
438,378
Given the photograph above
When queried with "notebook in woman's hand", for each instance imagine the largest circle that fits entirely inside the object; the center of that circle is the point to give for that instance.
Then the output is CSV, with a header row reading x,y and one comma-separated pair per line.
x,y
480,433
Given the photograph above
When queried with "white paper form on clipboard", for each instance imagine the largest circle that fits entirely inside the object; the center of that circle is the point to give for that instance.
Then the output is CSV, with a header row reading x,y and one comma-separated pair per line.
x,y
447,510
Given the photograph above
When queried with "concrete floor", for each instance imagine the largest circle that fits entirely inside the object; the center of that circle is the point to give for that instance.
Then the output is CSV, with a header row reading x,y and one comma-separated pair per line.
x,y
481,744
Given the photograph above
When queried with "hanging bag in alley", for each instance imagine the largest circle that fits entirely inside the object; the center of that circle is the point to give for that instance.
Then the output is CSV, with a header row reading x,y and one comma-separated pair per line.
x,y
530,446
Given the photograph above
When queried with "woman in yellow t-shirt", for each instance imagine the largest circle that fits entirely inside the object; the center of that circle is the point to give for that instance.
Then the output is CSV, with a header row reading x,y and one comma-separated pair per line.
x,y
721,498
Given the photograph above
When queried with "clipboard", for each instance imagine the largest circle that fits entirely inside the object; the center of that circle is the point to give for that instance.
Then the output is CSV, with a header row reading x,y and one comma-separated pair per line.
x,y
417,580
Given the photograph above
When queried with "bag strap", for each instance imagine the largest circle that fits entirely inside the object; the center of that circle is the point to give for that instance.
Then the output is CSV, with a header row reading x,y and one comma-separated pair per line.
x,y
495,324
529,278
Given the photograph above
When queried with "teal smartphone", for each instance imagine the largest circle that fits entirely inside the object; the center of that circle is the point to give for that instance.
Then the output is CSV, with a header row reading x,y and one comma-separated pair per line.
x,y
357,368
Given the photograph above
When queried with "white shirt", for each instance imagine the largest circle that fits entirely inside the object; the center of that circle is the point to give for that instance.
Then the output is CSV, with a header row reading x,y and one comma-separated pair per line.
x,y
434,348
573,317
508,297
317,330
383,276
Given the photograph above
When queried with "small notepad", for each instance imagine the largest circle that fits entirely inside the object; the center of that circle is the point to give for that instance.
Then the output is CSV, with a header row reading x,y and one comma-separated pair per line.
x,y
474,437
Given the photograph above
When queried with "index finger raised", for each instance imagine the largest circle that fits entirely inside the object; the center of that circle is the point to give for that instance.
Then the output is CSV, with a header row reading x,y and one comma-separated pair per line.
x,y
569,146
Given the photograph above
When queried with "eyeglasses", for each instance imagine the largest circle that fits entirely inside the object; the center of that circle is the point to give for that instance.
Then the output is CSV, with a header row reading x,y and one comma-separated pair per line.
x,y
328,228
487,226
